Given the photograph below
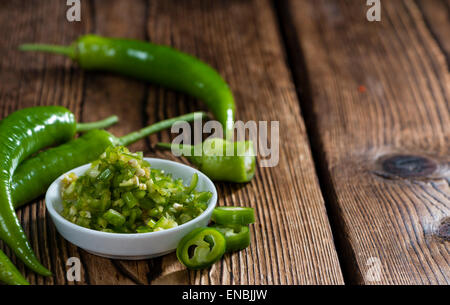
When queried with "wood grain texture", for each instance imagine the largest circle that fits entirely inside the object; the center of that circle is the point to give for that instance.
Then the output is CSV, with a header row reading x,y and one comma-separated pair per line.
x,y
436,15
371,91
292,241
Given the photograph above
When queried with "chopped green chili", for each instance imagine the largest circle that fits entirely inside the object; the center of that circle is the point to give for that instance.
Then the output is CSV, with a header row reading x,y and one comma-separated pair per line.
x,y
121,193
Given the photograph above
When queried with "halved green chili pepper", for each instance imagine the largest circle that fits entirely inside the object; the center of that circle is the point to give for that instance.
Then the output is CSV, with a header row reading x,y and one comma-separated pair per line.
x,y
201,248
212,158
233,216
236,236
34,175
9,273
159,64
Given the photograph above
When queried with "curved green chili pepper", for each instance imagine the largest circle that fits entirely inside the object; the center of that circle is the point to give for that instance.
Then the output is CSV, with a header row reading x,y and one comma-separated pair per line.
x,y
34,175
201,248
9,273
233,215
159,64
237,237
211,158
23,133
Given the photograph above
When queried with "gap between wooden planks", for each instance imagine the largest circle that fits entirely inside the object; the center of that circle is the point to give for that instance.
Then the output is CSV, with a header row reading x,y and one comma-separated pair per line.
x,y
292,241
371,91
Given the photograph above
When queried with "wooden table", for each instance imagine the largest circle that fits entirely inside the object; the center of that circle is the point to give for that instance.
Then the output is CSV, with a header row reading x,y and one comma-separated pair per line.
x,y
361,193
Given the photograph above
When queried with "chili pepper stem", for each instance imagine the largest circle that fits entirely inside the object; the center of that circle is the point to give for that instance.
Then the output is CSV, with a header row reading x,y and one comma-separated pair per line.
x,y
137,135
58,49
83,127
185,149
176,146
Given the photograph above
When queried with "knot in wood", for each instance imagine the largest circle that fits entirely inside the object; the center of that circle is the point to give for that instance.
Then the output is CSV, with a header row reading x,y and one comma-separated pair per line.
x,y
443,231
408,166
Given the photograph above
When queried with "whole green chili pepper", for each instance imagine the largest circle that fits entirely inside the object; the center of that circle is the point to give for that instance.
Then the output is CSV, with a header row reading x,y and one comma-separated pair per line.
x,y
201,248
212,158
10,228
9,273
159,64
34,175
23,133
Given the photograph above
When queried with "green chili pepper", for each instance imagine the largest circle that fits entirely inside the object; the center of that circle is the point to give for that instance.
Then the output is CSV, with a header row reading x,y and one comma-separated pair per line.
x,y
23,133
34,175
236,236
159,64
201,248
233,216
212,158
9,273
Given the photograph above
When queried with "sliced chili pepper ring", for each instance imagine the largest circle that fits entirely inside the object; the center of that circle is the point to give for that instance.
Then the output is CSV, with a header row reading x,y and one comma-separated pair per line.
x,y
237,237
233,215
201,248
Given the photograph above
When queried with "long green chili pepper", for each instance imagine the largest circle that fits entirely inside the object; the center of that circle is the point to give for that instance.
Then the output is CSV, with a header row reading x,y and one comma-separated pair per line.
x,y
158,64
212,158
21,141
23,133
34,175
9,273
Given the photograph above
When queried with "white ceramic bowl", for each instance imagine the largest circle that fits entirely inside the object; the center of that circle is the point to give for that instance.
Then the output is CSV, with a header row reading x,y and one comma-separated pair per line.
x,y
137,245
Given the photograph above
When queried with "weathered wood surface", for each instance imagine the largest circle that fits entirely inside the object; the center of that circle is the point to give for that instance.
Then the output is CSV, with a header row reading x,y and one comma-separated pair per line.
x,y
436,15
370,91
292,241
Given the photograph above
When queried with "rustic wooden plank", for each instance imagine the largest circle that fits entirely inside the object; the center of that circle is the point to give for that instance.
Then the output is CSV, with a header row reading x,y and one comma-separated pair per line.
x,y
29,80
436,14
292,241
38,80
377,90
107,94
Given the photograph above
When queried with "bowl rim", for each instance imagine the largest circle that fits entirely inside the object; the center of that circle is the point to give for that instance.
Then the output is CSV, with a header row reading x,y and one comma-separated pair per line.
x,y
54,214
